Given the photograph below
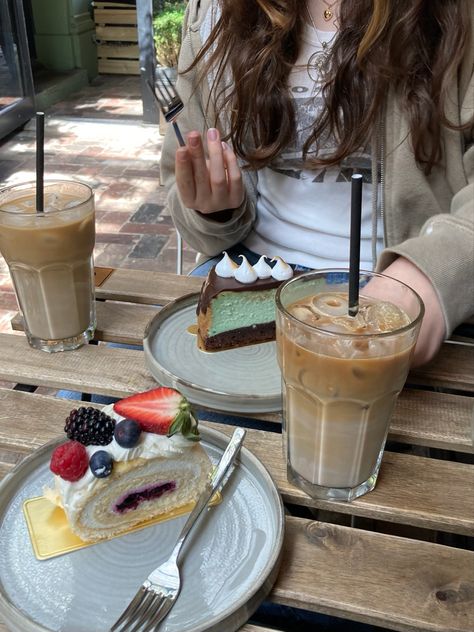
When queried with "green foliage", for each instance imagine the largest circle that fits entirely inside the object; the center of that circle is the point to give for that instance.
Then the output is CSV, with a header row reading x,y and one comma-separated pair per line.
x,y
167,31
161,5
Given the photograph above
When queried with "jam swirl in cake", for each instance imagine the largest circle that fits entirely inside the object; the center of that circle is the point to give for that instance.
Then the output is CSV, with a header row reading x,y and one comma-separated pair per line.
x,y
164,468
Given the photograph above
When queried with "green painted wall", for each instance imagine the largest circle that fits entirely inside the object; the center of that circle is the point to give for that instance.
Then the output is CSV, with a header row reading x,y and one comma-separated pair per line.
x,y
65,35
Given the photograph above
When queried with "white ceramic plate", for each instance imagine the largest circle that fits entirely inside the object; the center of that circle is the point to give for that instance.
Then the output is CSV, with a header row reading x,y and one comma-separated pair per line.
x,y
245,380
229,567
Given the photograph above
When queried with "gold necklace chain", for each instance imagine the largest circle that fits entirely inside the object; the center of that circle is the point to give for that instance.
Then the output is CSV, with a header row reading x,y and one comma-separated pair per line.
x,y
319,59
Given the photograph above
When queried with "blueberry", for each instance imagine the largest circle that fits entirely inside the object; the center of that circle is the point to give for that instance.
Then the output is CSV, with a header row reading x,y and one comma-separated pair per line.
x,y
127,433
101,464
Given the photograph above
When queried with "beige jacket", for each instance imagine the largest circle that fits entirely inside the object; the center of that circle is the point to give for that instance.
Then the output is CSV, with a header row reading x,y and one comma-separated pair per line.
x,y
427,219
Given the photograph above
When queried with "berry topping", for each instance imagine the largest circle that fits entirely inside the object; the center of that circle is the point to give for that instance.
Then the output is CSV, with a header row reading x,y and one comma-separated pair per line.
x,y
89,426
69,461
127,433
162,411
101,464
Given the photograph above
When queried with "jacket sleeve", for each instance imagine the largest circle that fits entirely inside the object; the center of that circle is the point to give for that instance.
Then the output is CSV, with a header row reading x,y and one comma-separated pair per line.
x,y
201,232
444,247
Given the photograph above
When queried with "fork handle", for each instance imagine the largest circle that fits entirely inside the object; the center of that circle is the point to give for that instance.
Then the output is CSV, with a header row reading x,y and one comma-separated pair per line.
x,y
230,453
179,136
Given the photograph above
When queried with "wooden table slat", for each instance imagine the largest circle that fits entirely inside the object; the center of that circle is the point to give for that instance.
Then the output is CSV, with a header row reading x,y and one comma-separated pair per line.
x,y
412,490
373,578
336,570
369,574
453,367
432,419
152,288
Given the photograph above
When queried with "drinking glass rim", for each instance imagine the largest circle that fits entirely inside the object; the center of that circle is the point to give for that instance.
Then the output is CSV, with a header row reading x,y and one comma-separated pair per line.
x,y
382,334
32,184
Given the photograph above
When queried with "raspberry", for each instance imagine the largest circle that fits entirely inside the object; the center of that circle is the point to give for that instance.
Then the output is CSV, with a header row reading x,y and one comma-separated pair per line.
x,y
70,461
89,426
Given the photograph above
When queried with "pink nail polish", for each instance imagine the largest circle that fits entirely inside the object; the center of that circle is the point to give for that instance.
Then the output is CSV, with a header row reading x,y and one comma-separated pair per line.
x,y
212,133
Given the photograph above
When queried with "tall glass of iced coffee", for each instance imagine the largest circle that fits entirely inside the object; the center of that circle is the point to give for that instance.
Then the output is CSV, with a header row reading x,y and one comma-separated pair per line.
x,y
341,376
49,255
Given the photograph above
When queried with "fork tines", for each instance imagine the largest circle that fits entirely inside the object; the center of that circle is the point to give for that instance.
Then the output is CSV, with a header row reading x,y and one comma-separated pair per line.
x,y
144,612
169,100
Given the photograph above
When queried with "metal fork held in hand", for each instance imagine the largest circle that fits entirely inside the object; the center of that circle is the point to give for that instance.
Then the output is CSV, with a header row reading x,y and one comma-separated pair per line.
x,y
169,101
158,593
171,104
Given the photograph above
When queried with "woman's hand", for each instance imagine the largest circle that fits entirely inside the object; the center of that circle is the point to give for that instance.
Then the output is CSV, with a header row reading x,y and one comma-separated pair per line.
x,y
433,328
208,185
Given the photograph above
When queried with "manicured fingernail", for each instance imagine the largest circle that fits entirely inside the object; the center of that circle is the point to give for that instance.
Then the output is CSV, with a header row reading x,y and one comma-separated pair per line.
x,y
193,141
212,134
225,146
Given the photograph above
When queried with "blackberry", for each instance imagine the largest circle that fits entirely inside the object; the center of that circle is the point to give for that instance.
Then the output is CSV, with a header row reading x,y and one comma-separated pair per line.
x,y
89,426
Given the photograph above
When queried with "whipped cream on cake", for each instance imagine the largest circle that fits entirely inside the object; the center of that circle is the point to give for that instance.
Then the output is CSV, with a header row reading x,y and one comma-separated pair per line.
x,y
107,484
237,302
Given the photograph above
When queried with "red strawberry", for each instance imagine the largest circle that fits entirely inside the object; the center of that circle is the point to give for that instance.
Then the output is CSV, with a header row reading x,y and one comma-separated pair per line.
x,y
162,411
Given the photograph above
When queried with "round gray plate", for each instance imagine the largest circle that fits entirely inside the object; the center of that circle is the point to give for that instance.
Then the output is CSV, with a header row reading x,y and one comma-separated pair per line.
x,y
245,380
230,564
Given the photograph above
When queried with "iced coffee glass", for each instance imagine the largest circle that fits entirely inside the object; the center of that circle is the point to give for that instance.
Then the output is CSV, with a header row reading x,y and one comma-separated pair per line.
x,y
49,255
341,376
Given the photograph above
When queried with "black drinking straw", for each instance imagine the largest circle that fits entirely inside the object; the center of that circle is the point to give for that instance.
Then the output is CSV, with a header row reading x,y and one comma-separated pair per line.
x,y
39,162
354,255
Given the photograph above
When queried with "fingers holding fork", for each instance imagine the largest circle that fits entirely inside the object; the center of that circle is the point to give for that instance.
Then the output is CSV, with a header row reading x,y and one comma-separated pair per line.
x,y
208,184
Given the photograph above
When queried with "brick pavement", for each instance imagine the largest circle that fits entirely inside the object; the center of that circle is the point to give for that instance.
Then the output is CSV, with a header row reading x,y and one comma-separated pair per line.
x,y
98,137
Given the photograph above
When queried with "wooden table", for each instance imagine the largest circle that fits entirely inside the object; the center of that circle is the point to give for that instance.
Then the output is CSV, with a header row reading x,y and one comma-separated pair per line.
x,y
400,557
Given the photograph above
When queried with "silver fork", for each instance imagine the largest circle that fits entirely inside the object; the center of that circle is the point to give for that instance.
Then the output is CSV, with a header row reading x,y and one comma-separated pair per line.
x,y
169,101
171,104
158,593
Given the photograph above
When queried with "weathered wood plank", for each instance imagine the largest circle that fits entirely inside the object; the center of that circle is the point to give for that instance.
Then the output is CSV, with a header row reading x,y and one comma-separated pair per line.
x,y
436,420
122,322
108,5
412,490
422,492
424,418
100,369
392,582
115,16
118,66
116,321
141,286
108,51
453,368
117,33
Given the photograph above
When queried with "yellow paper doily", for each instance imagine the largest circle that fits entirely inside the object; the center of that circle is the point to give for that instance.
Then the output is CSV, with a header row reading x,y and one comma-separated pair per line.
x,y
51,536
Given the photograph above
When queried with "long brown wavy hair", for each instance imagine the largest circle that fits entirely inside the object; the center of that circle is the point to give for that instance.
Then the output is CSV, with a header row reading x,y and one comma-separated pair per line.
x,y
414,47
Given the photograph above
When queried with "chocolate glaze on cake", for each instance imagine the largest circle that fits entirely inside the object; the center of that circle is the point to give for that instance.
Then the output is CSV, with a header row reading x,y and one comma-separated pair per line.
x,y
242,336
215,284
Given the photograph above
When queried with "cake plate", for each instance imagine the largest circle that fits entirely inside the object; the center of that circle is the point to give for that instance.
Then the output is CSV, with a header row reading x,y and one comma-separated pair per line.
x,y
244,380
230,565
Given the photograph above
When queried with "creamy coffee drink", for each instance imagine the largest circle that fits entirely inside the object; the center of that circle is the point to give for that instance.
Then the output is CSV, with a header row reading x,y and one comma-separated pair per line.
x,y
49,255
341,376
